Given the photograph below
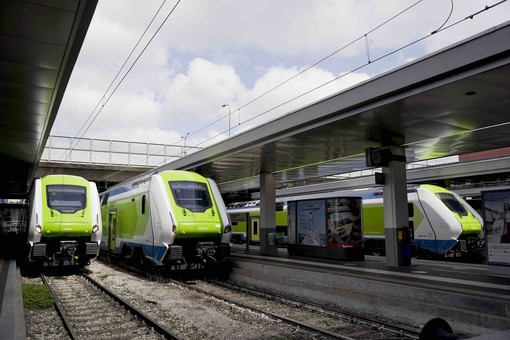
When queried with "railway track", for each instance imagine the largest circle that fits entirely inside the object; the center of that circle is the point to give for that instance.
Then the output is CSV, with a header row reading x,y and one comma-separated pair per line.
x,y
317,319
314,320
90,311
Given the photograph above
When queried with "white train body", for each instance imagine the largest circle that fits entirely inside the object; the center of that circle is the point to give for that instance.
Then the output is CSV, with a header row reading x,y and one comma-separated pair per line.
x,y
173,217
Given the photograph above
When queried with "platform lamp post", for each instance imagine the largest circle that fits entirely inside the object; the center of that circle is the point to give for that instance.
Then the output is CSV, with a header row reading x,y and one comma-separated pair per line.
x,y
229,113
183,151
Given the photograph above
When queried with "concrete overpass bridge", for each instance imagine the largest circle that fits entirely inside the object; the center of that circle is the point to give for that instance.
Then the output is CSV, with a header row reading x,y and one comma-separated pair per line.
x,y
109,162
105,161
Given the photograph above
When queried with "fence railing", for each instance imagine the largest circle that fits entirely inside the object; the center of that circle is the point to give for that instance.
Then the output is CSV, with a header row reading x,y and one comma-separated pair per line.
x,y
138,154
112,152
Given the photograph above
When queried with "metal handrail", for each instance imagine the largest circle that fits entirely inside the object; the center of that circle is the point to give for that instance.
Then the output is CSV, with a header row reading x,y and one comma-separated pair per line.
x,y
65,149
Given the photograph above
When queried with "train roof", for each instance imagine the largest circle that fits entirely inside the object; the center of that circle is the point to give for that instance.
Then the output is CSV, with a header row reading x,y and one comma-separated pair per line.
x,y
137,181
364,193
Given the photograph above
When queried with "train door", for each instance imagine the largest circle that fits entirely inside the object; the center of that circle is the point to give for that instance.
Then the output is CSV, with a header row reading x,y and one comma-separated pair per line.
x,y
254,223
112,229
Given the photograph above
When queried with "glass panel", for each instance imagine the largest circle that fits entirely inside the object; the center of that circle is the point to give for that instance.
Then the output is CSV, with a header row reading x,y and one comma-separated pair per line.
x,y
66,198
452,203
193,196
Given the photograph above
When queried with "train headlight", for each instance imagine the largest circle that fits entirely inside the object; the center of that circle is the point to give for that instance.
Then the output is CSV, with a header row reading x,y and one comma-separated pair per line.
x,y
38,228
95,228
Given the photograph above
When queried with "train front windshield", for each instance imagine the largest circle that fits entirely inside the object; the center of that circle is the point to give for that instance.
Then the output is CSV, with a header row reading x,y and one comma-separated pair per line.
x,y
193,196
452,203
66,198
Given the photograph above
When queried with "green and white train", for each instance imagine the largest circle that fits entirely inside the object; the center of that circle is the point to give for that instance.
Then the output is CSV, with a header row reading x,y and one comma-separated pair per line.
x,y
172,218
64,225
442,221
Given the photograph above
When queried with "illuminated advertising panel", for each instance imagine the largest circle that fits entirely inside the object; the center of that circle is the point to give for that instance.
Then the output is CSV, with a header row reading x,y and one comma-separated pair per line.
x,y
311,223
344,223
329,227
496,217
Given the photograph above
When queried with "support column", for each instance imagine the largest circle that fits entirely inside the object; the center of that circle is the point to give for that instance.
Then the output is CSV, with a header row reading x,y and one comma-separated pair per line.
x,y
248,230
267,214
396,215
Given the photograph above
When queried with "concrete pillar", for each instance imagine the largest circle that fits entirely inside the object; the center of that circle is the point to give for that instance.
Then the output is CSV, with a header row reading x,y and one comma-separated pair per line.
x,y
267,214
395,207
248,230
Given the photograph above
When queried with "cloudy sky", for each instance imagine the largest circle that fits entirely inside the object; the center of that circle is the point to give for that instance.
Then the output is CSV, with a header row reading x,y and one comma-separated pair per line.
x,y
264,58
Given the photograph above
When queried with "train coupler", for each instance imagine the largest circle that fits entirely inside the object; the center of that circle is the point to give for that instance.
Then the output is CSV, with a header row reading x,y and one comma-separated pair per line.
x,y
206,251
67,251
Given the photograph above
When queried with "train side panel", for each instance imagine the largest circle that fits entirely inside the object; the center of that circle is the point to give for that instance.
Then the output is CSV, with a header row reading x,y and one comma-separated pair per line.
x,y
441,220
35,213
373,218
247,214
95,208
164,223
226,224
127,221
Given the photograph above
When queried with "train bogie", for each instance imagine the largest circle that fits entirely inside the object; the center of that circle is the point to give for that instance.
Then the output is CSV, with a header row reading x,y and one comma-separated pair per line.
x,y
64,224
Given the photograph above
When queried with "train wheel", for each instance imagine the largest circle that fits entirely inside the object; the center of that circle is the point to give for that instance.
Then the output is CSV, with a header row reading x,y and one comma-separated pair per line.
x,y
126,254
138,258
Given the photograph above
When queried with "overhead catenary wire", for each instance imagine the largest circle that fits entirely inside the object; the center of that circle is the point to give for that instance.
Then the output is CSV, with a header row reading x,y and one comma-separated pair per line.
x,y
121,68
315,64
441,28
127,72
448,18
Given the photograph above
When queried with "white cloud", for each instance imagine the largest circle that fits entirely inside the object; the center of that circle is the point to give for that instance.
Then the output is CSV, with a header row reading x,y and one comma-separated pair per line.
x,y
203,89
211,53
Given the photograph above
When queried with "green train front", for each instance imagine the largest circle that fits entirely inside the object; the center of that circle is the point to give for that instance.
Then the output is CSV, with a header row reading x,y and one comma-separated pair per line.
x,y
174,218
65,223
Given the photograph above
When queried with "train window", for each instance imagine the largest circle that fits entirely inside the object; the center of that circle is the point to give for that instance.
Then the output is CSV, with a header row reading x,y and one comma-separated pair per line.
x,y
452,203
66,199
193,196
410,209
143,204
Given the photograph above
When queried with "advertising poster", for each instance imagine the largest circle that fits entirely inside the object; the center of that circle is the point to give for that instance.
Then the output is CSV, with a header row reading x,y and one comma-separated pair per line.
x,y
311,222
344,223
496,217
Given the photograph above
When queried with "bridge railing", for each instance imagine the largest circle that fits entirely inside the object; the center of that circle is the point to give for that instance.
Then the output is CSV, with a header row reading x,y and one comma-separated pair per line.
x,y
66,149
111,152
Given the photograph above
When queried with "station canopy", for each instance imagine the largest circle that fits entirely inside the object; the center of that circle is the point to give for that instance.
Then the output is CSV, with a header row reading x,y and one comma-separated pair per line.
x,y
39,44
453,102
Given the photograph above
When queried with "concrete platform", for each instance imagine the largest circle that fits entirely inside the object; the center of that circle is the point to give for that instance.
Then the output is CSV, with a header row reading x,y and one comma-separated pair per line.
x,y
12,313
471,301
